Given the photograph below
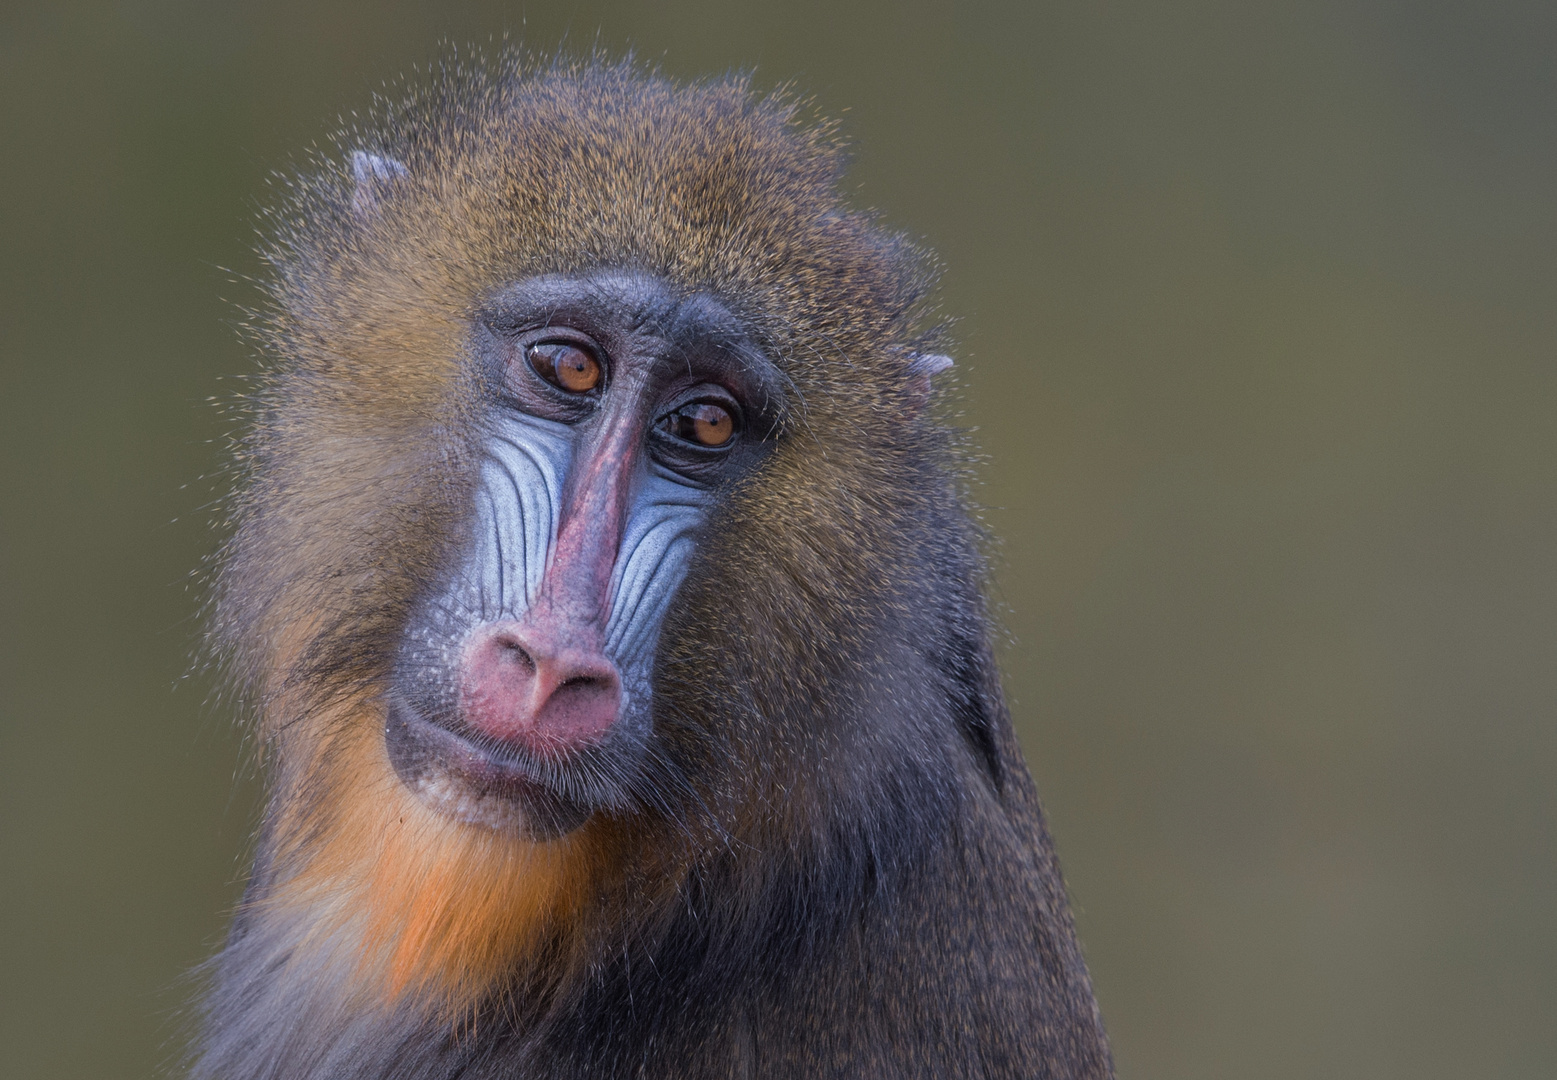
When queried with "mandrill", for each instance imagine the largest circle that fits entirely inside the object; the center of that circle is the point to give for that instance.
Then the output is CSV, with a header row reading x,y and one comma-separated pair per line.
x,y
604,587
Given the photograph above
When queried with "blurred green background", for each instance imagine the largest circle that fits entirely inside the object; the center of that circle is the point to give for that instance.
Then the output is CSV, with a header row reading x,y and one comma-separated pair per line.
x,y
1257,331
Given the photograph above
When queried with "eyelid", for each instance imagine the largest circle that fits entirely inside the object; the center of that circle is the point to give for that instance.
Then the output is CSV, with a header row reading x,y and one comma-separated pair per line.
x,y
561,335
702,395
711,392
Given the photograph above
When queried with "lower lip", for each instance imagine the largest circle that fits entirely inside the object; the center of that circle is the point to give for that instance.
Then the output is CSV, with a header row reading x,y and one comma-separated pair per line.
x,y
456,777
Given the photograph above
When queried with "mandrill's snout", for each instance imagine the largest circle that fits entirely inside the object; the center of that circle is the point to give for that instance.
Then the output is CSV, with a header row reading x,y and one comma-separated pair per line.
x,y
544,687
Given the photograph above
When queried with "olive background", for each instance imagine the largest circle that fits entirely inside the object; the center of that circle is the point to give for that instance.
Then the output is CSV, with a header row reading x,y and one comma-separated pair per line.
x,y
1256,330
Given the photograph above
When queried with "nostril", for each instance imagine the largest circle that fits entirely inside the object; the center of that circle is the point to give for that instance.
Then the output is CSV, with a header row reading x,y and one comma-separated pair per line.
x,y
517,683
515,651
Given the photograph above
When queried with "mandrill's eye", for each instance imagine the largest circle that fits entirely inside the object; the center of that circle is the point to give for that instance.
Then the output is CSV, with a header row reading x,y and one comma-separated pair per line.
x,y
700,422
564,365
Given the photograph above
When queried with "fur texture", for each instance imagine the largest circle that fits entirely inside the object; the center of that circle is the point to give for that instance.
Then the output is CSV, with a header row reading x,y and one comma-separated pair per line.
x,y
835,864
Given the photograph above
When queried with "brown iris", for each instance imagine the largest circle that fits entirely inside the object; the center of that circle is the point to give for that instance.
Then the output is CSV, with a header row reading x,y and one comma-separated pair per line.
x,y
701,422
565,366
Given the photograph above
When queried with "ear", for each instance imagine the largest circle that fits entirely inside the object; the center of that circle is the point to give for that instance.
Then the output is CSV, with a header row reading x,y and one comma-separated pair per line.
x,y
922,368
372,175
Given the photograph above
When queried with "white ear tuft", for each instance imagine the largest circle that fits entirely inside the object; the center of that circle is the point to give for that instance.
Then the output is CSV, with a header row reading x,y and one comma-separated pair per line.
x,y
927,365
371,172
923,367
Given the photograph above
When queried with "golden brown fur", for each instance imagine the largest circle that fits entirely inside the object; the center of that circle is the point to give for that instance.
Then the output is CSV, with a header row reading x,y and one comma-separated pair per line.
x,y
801,789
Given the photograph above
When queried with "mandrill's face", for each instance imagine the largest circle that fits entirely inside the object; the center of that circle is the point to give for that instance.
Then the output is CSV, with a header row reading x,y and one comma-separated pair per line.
x,y
617,411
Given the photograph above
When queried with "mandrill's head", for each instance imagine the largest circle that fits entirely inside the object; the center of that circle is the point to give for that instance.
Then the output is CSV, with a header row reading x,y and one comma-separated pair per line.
x,y
523,698
590,498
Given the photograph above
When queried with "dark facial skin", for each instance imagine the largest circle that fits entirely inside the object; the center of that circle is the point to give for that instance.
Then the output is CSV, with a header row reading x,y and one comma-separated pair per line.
x,y
659,352
638,405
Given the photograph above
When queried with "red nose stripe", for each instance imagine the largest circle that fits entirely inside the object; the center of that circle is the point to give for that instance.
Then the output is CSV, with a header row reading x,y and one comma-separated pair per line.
x,y
545,680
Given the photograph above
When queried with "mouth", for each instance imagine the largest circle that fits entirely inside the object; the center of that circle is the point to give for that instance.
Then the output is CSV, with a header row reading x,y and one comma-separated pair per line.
x,y
485,785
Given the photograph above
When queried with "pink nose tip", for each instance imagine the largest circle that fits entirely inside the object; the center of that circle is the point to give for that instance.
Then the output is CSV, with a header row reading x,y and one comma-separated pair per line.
x,y
517,684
